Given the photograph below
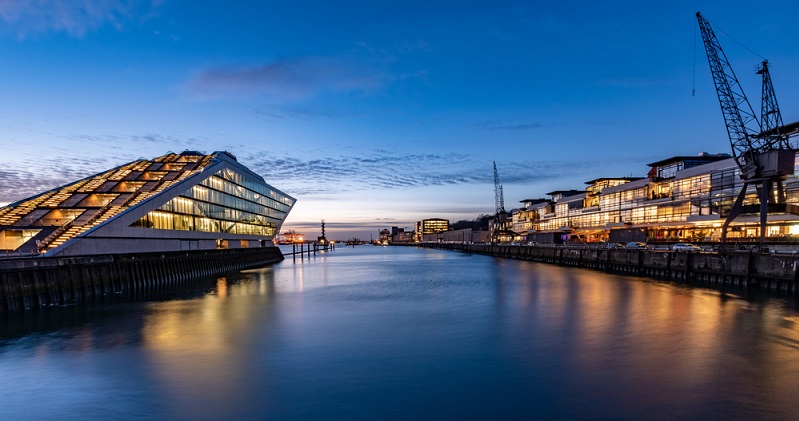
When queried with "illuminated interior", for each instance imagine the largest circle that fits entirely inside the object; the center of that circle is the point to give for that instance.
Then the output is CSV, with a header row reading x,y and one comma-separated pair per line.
x,y
225,202
230,200
684,200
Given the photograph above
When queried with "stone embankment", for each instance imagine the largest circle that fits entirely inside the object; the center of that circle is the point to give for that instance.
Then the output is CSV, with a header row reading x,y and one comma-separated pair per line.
x,y
31,283
741,269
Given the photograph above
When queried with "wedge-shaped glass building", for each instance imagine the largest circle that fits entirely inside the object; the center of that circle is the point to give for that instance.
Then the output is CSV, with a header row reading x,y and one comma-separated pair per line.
x,y
185,201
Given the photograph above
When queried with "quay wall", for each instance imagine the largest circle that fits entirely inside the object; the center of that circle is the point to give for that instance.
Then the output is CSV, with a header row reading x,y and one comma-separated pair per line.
x,y
29,283
778,272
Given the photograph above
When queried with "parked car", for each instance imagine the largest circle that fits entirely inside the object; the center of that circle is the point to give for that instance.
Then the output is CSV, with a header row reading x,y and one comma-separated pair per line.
x,y
686,247
635,245
612,246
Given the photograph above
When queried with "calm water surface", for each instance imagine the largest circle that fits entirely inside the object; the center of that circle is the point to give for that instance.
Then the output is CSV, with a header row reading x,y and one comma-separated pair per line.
x,y
405,333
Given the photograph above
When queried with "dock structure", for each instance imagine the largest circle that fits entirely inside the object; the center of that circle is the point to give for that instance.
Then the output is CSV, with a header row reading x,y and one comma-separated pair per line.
x,y
775,272
28,284
308,248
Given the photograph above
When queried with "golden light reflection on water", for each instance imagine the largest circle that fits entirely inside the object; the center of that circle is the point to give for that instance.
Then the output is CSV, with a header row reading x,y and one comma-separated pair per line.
x,y
208,338
394,329
306,339
639,332
221,288
628,331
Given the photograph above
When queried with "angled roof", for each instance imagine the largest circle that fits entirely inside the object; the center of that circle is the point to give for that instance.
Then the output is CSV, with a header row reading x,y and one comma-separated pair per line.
x,y
696,159
596,180
128,194
534,201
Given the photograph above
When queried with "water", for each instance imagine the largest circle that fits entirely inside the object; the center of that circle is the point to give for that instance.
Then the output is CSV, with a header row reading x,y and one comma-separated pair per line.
x,y
405,333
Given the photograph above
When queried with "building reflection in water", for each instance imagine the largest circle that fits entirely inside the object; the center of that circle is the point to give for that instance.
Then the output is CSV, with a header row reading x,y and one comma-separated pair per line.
x,y
376,328
190,342
639,335
221,288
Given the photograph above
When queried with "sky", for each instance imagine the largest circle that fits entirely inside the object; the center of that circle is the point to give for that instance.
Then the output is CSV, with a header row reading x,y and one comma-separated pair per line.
x,y
381,113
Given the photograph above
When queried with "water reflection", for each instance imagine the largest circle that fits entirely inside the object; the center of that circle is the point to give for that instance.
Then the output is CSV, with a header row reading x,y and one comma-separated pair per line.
x,y
407,333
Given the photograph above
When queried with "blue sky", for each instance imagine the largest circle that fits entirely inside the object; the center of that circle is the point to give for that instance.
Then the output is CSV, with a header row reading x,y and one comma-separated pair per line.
x,y
377,114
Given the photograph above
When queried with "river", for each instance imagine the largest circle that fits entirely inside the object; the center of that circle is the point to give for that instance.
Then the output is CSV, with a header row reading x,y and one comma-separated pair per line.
x,y
403,333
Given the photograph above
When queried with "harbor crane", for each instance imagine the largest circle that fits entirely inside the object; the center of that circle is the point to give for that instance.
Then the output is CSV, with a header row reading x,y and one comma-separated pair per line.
x,y
499,202
760,146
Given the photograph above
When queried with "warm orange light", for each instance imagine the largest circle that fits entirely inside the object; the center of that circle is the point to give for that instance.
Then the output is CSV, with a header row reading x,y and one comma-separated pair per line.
x,y
221,287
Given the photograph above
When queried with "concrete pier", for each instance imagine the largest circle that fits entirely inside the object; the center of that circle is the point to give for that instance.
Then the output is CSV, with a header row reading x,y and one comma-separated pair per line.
x,y
31,283
741,269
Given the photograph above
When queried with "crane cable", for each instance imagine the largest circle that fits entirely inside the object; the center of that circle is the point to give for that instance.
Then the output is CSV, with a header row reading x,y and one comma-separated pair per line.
x,y
693,89
736,41
693,83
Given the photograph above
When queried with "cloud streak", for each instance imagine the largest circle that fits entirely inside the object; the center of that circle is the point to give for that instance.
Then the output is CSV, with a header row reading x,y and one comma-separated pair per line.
x,y
381,171
320,177
289,79
496,126
27,179
75,18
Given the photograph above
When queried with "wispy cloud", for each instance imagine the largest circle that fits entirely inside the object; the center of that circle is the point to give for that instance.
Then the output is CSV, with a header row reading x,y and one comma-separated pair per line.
x,y
300,113
375,170
112,140
322,177
74,17
495,126
290,79
26,178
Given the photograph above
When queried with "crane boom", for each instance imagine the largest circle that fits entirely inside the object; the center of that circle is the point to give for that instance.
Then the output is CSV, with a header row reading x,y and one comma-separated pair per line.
x,y
742,124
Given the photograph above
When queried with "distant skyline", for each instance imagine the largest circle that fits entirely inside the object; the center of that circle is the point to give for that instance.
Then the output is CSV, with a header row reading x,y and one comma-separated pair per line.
x,y
377,114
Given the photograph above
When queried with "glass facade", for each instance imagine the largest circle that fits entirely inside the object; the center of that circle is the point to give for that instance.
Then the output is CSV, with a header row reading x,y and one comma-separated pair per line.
x,y
682,207
226,202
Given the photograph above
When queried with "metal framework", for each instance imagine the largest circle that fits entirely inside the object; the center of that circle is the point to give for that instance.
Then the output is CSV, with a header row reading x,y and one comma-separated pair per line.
x,y
770,116
760,150
738,115
499,203
499,200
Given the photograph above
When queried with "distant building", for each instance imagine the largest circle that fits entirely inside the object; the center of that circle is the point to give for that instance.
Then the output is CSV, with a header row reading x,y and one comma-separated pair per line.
x,y
399,235
384,236
291,237
185,201
430,226
501,227
465,235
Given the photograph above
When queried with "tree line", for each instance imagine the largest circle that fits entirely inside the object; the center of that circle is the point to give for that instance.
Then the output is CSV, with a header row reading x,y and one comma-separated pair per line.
x,y
481,222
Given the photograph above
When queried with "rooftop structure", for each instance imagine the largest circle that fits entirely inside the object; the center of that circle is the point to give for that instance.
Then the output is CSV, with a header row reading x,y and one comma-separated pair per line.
x,y
185,201
666,168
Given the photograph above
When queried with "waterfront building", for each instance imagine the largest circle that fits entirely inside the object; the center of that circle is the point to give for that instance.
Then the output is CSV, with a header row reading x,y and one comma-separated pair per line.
x,y
291,237
683,198
384,237
501,227
175,202
400,235
464,235
523,218
430,226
